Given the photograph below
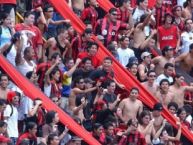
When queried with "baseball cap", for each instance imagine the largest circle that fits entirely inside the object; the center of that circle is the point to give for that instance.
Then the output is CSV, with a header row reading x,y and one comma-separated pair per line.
x,y
166,48
4,139
133,59
158,107
145,54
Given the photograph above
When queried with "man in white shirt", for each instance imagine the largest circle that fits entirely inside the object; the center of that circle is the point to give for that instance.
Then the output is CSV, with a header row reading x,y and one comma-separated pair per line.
x,y
187,36
168,72
11,115
124,53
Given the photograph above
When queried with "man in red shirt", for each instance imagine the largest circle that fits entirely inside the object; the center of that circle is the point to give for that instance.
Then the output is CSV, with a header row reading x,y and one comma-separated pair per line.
x,y
90,12
91,53
109,27
168,34
133,135
28,24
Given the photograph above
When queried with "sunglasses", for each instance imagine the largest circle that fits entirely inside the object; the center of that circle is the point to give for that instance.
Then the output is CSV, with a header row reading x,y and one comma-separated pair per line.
x,y
114,14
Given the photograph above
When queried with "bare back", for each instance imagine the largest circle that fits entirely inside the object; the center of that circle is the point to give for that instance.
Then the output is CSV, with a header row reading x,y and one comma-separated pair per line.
x,y
161,61
178,93
139,36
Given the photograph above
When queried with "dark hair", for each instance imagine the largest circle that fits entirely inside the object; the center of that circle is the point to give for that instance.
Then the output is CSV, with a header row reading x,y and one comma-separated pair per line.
x,y
53,72
129,123
91,43
50,116
77,80
150,71
129,65
27,50
134,88
46,7
191,46
164,80
60,30
15,37
28,13
167,65
108,58
50,138
107,125
174,104
188,108
96,126
142,115
29,74
180,110
112,10
108,82
142,18
66,60
84,60
2,102
140,1
55,55
2,123
3,16
30,126
4,75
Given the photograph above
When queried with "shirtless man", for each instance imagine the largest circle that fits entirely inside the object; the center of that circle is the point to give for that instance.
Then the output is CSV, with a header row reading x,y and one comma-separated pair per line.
x,y
186,60
77,90
150,84
164,96
179,90
160,61
139,34
3,86
144,66
156,114
187,12
131,106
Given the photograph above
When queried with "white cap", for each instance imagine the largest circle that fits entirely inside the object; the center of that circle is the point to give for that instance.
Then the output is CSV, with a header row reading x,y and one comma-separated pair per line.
x,y
144,54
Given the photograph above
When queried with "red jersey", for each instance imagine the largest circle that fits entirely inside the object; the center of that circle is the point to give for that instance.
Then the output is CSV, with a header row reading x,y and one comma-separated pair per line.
x,y
168,36
37,39
108,29
95,60
90,14
123,15
32,139
8,2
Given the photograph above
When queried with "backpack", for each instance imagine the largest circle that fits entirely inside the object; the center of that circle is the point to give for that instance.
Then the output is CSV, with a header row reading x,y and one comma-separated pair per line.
x,y
7,50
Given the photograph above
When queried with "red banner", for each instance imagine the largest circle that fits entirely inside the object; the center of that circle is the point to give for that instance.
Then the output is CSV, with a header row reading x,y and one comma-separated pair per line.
x,y
33,92
105,4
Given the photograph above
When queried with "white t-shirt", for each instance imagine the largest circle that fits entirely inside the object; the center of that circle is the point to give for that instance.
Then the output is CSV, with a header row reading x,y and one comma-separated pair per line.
x,y
28,105
25,67
124,55
47,90
12,121
162,76
186,39
12,55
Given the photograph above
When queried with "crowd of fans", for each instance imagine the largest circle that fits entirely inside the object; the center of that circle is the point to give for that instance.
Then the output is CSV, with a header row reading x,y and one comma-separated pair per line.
x,y
150,42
